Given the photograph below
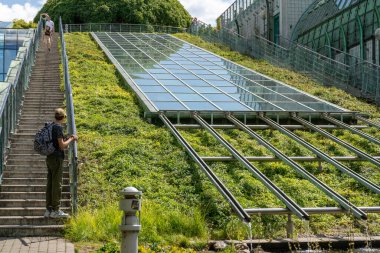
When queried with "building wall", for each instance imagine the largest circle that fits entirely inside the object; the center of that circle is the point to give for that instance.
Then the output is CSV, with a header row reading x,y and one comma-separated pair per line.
x,y
253,19
290,12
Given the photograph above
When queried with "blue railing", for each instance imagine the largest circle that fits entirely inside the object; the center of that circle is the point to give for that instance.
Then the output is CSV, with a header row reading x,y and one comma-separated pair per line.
x,y
71,128
13,88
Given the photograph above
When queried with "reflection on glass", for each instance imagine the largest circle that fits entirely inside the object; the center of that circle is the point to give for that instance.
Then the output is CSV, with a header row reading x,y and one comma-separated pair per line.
x,y
160,96
201,106
189,97
170,71
164,106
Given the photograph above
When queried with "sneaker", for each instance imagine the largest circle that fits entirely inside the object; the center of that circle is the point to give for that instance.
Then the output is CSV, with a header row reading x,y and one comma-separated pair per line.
x,y
59,214
47,213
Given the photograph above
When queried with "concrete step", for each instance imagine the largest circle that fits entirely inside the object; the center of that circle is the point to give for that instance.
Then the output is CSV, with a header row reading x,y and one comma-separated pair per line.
x,y
30,230
39,108
27,211
29,181
29,203
29,188
44,93
29,97
39,91
29,195
28,174
24,130
16,154
31,169
30,220
20,151
34,121
32,163
21,145
43,98
41,105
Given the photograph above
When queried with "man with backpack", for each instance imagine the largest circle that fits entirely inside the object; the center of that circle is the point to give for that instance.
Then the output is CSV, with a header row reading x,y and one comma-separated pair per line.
x,y
54,162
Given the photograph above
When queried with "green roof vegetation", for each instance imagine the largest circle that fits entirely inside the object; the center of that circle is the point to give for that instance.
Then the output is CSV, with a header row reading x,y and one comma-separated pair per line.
x,y
118,148
153,12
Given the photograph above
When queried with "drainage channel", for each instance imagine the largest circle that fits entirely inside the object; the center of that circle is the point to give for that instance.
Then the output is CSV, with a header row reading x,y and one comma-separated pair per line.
x,y
345,206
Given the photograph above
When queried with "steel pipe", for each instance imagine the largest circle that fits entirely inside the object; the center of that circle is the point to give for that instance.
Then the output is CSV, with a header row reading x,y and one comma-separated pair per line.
x,y
369,122
348,146
262,127
293,206
323,155
275,159
348,127
239,210
309,210
301,171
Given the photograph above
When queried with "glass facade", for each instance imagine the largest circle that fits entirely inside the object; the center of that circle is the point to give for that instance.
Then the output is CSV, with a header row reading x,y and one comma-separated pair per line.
x,y
341,25
10,41
173,75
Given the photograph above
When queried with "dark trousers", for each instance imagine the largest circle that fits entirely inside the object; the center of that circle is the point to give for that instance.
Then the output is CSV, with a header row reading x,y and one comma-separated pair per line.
x,y
54,182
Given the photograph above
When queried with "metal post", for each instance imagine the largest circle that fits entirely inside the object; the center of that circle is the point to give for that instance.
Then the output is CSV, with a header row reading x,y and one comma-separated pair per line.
x,y
130,226
289,227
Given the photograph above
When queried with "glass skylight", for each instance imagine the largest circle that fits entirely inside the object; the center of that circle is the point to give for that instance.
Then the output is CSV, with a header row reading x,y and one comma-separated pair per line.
x,y
172,75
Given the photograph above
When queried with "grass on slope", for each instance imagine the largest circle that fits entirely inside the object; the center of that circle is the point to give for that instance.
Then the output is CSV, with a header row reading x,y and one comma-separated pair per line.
x,y
118,148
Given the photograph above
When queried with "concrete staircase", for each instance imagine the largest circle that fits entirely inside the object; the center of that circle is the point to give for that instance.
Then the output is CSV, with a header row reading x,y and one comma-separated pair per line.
x,y
22,192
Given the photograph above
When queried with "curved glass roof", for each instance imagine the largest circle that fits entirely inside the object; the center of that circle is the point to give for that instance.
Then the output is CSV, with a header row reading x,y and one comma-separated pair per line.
x,y
319,11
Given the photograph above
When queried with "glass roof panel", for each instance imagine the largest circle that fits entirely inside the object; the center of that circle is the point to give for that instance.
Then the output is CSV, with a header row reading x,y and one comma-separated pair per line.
x,y
174,75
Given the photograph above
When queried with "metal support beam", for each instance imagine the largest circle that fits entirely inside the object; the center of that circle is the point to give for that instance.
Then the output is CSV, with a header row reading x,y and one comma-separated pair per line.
x,y
377,13
369,122
343,34
262,127
275,159
301,171
309,210
355,131
207,170
322,155
289,227
293,206
329,44
361,34
337,140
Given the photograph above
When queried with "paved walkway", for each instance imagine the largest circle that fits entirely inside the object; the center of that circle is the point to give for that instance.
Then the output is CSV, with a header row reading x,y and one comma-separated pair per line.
x,y
35,245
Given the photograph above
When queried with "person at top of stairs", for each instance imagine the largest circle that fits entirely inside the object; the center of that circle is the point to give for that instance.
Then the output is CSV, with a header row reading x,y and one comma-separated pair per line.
x,y
49,30
54,164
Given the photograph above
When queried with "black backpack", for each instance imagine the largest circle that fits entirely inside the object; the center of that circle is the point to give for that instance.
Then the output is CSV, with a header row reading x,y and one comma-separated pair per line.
x,y
43,141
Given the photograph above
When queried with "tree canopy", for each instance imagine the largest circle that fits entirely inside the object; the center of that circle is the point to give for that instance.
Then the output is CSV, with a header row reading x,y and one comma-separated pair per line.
x,y
20,23
154,12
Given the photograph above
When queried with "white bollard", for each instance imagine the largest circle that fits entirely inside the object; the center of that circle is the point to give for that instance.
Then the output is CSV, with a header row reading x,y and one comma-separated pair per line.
x,y
130,227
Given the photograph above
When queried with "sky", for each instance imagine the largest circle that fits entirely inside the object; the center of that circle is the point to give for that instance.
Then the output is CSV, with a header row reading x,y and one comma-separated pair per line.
x,y
205,10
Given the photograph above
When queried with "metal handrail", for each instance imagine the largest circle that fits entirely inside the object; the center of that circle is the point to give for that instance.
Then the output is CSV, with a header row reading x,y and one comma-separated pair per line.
x,y
121,27
15,84
71,127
